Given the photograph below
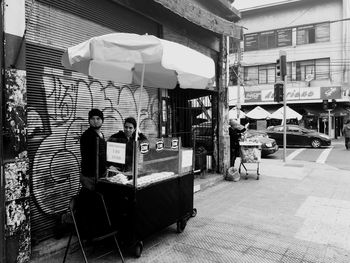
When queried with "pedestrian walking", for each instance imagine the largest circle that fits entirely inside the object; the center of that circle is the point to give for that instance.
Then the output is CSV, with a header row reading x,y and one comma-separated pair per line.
x,y
93,151
346,134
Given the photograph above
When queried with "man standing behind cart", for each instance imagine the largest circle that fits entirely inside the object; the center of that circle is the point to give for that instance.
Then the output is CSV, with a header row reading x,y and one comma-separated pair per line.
x,y
127,136
93,151
235,132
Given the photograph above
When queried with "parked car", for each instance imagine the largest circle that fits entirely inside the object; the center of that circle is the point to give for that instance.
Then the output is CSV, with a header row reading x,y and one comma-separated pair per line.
x,y
204,138
298,136
268,145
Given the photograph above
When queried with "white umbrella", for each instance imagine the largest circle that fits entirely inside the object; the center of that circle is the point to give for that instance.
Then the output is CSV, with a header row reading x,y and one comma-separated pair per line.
x,y
143,60
232,114
290,114
258,113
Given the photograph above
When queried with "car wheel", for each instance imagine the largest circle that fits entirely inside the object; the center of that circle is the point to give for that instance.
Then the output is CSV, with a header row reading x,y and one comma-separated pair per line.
x,y
315,143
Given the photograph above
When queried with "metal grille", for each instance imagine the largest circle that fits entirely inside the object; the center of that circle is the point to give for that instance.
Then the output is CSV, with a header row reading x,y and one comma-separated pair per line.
x,y
59,100
194,116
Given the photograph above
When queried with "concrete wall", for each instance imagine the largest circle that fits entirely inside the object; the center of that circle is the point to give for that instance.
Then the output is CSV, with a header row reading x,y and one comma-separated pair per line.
x,y
17,223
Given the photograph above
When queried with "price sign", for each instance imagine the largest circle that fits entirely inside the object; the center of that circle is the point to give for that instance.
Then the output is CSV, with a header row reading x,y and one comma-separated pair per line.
x,y
116,152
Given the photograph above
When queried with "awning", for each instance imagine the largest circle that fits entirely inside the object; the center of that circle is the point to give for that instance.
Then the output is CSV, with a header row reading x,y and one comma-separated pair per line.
x,y
306,111
202,17
232,114
340,111
258,113
290,114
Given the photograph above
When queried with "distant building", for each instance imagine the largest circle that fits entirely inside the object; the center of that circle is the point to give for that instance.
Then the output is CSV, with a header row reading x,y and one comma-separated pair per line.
x,y
315,34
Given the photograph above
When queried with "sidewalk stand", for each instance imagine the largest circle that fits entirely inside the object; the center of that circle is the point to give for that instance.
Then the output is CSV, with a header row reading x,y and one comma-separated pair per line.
x,y
250,152
158,192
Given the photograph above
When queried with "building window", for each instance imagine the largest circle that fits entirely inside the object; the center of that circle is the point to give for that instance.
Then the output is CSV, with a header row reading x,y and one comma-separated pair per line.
x,y
267,74
322,68
268,39
312,69
284,37
313,34
251,75
289,71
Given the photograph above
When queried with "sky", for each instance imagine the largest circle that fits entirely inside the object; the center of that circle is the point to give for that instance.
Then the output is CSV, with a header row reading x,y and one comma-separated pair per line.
x,y
241,4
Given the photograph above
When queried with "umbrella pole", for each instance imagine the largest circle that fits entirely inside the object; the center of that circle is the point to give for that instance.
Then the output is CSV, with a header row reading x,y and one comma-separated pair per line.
x,y
137,129
139,106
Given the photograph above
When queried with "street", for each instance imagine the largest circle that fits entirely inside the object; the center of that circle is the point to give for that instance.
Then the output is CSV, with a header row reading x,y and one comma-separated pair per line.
x,y
297,212
335,155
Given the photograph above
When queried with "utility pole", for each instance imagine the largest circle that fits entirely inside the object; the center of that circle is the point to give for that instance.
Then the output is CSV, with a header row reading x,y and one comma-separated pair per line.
x,y
239,68
281,71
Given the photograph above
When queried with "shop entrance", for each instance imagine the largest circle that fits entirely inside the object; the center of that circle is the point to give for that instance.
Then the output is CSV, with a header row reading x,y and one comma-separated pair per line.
x,y
323,125
339,122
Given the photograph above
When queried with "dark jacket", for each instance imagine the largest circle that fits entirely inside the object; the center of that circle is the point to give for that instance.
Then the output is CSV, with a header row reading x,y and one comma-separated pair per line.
x,y
235,136
88,150
121,137
346,130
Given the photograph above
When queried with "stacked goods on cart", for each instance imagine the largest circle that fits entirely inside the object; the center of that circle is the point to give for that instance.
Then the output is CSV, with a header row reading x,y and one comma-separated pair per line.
x,y
143,181
153,178
250,152
118,178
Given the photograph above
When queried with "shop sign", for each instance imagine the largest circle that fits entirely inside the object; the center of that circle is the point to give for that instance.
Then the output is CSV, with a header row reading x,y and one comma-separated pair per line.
x,y
174,144
309,93
159,145
116,152
298,93
330,93
252,96
144,147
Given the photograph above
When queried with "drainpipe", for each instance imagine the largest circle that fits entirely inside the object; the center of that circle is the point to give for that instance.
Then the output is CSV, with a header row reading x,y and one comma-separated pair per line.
x,y
223,134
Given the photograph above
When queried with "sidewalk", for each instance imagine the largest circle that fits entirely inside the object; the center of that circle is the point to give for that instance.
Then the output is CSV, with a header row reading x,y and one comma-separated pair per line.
x,y
52,249
297,212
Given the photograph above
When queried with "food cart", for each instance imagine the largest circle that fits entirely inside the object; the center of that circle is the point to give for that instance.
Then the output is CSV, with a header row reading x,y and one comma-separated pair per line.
x,y
159,190
250,152
156,194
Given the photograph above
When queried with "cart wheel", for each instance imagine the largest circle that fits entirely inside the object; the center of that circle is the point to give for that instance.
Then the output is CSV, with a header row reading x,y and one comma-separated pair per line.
x,y
138,248
180,225
194,212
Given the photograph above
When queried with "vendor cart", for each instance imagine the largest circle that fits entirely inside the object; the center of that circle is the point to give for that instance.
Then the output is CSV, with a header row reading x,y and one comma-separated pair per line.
x,y
154,196
250,152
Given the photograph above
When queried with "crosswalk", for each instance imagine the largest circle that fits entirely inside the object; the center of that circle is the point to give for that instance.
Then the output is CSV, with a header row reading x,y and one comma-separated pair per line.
x,y
324,154
294,154
309,154
335,155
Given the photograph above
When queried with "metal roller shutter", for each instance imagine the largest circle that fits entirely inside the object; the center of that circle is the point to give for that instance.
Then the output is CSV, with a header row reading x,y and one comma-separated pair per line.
x,y
59,100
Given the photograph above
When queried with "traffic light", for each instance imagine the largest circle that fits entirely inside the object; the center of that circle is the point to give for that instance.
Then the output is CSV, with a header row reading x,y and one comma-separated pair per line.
x,y
333,104
278,92
325,104
281,67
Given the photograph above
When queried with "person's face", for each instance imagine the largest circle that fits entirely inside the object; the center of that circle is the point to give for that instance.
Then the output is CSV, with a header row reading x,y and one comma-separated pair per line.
x,y
128,129
95,122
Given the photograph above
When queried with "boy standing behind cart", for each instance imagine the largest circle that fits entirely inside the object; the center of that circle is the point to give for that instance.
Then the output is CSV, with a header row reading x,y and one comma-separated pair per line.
x,y
127,136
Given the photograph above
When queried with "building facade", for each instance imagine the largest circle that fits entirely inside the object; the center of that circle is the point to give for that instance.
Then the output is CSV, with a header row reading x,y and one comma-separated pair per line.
x,y
315,37
44,106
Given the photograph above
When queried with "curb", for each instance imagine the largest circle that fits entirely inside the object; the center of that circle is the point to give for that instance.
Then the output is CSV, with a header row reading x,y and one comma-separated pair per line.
x,y
206,180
